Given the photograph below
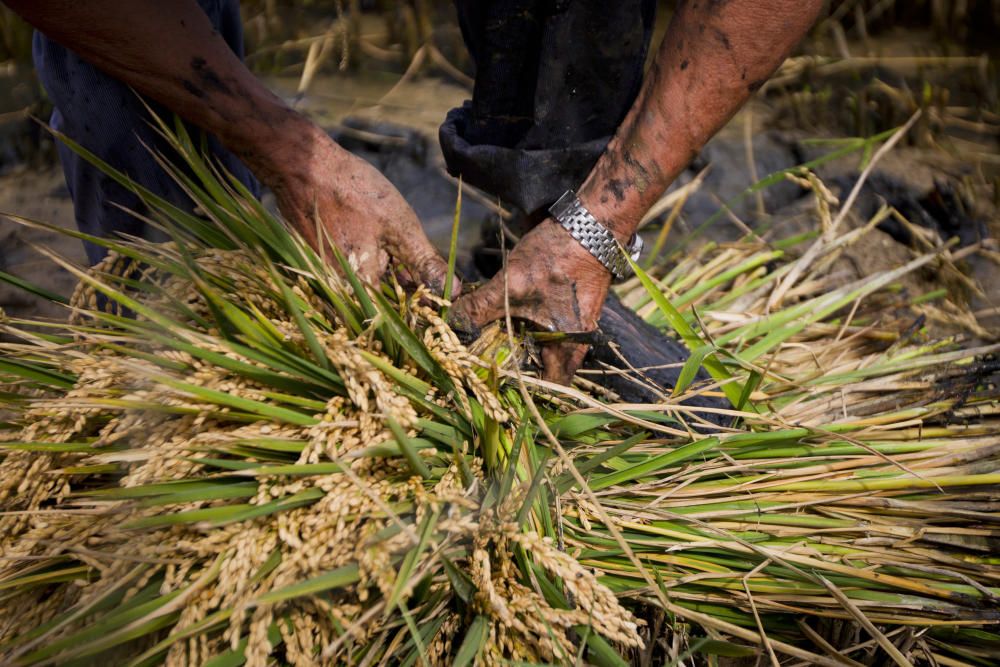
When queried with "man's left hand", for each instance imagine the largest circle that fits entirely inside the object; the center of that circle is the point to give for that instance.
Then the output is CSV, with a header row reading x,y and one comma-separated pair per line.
x,y
551,281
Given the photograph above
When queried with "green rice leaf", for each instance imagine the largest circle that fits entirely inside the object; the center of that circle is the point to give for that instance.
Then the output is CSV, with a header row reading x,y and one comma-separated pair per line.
x,y
473,643
693,341
343,576
601,653
408,449
654,464
407,340
459,580
427,528
31,288
690,368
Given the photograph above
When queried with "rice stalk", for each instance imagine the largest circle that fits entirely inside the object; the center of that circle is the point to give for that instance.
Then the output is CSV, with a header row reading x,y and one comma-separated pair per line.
x,y
234,452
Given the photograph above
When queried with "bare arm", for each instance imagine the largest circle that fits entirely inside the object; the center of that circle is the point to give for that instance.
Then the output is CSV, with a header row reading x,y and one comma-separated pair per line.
x,y
170,52
714,55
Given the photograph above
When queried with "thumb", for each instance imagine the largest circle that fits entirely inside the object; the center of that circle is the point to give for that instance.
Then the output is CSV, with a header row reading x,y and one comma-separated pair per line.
x,y
413,249
474,311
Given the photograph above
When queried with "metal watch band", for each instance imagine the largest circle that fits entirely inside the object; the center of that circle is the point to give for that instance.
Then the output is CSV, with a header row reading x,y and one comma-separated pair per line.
x,y
595,237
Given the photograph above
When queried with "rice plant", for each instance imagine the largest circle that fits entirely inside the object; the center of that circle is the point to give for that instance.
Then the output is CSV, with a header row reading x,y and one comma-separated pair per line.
x,y
235,453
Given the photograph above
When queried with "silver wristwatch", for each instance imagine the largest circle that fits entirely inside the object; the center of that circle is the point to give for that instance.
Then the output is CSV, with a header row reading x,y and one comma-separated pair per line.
x,y
595,237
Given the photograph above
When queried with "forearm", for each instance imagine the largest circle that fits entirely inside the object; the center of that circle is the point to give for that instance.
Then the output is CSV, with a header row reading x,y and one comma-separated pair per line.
x,y
713,57
170,52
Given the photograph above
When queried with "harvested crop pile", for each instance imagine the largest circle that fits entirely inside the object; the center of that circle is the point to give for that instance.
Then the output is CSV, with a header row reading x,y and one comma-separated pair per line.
x,y
235,454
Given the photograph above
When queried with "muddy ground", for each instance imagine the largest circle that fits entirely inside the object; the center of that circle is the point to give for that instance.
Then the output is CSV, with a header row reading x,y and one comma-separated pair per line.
x,y
358,108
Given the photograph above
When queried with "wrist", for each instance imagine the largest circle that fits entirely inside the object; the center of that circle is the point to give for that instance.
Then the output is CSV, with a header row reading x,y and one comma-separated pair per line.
x,y
617,216
594,236
277,144
585,262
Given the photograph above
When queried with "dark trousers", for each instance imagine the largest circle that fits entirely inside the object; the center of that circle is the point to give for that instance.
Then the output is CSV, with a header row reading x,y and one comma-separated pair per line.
x,y
554,78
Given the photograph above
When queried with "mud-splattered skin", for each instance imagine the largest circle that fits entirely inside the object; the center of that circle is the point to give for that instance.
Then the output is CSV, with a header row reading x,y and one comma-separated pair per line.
x,y
170,52
714,55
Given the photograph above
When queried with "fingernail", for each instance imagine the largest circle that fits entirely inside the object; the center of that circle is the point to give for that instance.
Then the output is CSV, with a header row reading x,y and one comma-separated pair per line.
x,y
435,281
462,323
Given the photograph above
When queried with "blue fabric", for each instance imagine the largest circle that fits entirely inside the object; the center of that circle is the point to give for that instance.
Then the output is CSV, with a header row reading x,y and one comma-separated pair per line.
x,y
108,118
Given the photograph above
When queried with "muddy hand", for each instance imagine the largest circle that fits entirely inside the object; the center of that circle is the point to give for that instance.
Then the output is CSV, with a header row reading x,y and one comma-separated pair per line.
x,y
333,196
552,282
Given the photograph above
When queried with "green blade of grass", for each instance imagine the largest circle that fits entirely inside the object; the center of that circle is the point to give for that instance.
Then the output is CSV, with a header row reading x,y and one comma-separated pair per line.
x,y
409,451
22,284
693,341
473,643
452,250
651,465
342,576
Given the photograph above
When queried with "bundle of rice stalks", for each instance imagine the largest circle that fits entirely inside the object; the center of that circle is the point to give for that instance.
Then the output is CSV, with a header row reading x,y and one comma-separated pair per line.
x,y
235,454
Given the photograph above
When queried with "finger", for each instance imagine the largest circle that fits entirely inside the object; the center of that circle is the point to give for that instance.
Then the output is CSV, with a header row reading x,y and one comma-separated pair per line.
x,y
486,304
560,361
405,278
369,265
412,248
474,311
409,283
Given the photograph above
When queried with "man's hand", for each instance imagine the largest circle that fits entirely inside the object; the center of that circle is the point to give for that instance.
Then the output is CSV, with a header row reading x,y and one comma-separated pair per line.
x,y
551,281
328,194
